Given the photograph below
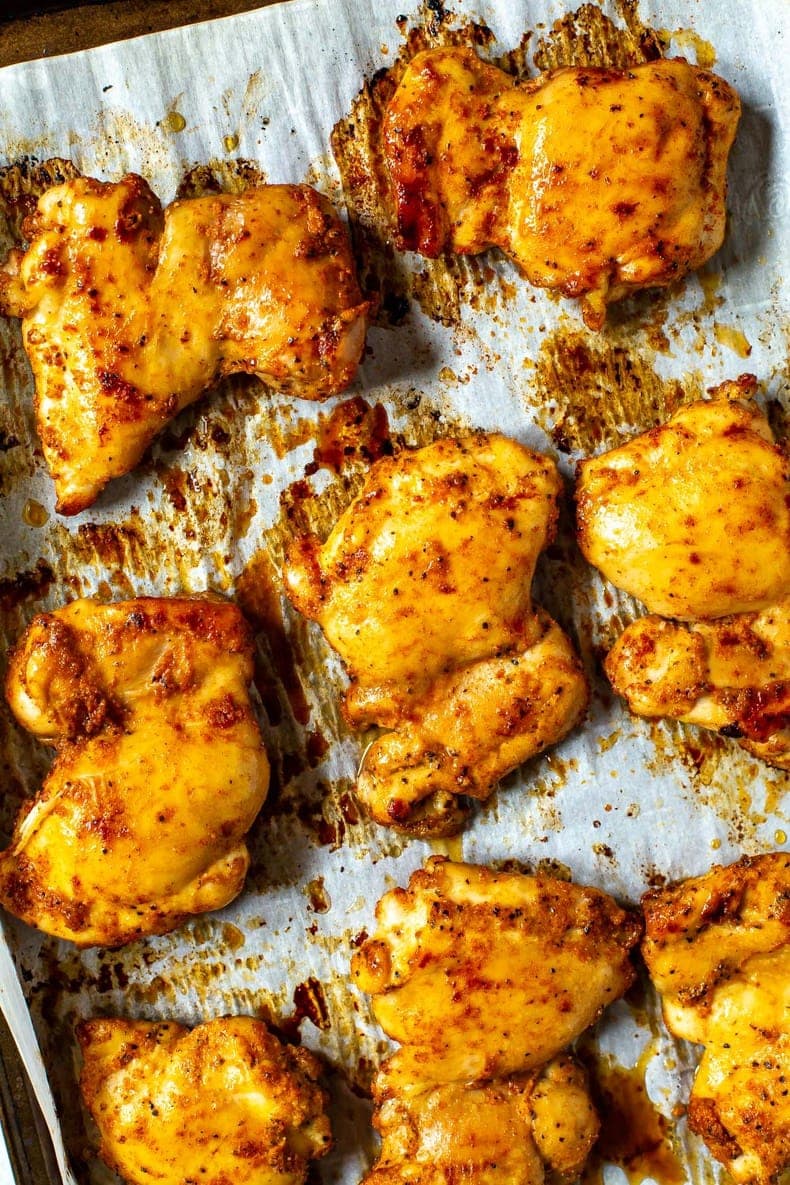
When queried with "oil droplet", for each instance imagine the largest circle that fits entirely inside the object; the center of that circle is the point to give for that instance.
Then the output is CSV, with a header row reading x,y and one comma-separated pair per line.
x,y
715,844
231,142
174,121
780,837
34,514
733,339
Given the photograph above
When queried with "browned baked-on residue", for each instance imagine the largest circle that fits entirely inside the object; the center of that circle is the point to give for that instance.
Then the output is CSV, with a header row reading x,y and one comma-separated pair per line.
x,y
720,775
31,585
121,549
309,1004
442,287
220,176
22,184
634,1134
259,596
351,433
588,37
318,898
592,393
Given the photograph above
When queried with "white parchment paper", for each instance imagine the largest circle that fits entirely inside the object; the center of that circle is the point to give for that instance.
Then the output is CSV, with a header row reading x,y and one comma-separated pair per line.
x,y
619,801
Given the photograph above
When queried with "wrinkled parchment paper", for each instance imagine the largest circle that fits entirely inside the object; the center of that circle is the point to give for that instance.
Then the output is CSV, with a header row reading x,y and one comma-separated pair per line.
x,y
621,803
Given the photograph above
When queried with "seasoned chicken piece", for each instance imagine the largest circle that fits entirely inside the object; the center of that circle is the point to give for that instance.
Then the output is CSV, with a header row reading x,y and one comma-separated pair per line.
x,y
159,774
732,675
718,949
597,182
423,587
479,974
483,978
223,1103
129,312
693,517
514,1131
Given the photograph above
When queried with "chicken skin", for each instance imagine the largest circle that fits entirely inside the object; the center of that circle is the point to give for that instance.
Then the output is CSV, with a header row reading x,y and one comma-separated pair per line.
x,y
521,1130
693,517
159,774
423,587
718,949
223,1103
129,312
480,974
483,978
731,675
597,182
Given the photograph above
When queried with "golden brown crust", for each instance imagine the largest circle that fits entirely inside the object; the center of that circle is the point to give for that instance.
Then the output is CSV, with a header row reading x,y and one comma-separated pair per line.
x,y
700,930
483,977
159,772
693,517
423,587
718,949
224,1102
732,675
480,974
129,311
704,1119
509,1131
596,181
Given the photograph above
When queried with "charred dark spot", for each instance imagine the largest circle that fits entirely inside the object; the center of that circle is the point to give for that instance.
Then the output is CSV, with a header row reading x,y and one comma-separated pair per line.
x,y
224,712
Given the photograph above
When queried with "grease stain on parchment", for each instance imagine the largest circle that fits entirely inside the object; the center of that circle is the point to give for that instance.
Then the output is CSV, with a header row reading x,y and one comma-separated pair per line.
x,y
588,37
688,39
635,1135
591,392
245,112
118,137
719,775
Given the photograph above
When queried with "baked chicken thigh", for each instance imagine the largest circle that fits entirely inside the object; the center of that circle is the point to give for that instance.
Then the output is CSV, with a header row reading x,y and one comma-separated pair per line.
x,y
479,974
520,1130
718,949
597,182
223,1103
731,675
423,587
129,312
693,517
159,774
483,978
